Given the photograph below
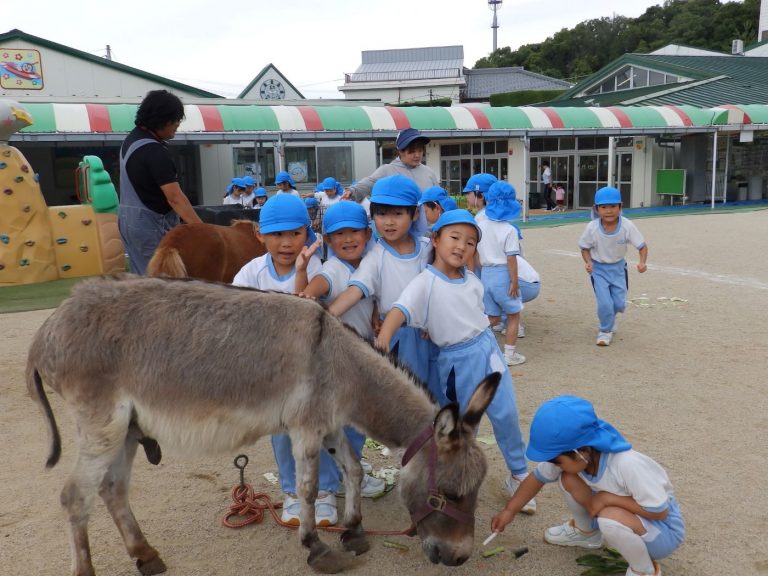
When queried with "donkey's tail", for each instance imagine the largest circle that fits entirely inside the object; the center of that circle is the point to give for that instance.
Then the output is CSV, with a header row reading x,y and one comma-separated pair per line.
x,y
35,386
167,262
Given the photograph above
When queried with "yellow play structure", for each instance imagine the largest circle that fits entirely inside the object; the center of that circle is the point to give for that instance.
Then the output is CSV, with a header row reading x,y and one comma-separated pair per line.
x,y
40,243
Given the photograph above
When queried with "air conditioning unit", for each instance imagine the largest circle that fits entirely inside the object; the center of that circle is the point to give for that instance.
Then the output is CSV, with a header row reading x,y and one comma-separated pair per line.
x,y
737,47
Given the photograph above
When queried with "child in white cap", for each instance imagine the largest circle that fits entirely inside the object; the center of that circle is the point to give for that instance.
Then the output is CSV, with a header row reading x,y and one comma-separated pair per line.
x,y
618,497
603,247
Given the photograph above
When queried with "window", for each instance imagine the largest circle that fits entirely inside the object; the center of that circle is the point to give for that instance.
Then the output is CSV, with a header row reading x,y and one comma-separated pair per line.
x,y
335,161
629,77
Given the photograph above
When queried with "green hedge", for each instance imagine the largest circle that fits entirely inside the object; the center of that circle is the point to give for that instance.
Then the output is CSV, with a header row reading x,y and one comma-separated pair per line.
x,y
427,103
524,97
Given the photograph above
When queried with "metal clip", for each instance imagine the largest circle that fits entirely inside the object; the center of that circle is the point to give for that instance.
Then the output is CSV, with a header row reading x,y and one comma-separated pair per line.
x,y
244,459
437,502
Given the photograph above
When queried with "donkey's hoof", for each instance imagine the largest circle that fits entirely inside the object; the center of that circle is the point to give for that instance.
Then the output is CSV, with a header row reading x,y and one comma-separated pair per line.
x,y
355,541
329,561
151,567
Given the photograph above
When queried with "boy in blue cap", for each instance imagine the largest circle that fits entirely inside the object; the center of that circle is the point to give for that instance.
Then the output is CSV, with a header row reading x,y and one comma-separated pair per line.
x,y
237,194
603,247
346,234
446,301
330,192
436,201
259,197
284,228
397,258
475,189
285,184
498,254
619,497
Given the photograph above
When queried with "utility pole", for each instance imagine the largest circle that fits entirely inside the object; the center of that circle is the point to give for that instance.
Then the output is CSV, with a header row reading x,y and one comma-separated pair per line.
x,y
109,52
494,5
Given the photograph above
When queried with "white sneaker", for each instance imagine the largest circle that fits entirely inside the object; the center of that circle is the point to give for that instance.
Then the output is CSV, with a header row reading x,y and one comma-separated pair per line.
x,y
511,484
656,567
514,359
520,330
569,535
325,510
291,509
499,328
604,338
370,487
367,468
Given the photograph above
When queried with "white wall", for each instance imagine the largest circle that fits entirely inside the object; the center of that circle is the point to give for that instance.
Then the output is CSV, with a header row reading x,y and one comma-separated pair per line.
x,y
395,94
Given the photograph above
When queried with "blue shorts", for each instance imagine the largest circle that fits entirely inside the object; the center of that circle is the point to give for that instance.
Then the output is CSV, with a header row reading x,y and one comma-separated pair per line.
x,y
496,298
662,537
529,290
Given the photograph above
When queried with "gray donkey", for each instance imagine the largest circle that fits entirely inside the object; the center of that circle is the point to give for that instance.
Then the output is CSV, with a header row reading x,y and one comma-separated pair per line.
x,y
150,361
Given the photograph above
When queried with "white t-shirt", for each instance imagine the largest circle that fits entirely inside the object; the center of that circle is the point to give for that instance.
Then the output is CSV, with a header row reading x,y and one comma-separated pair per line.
x,y
325,201
337,273
627,473
242,200
383,273
450,310
525,271
480,216
500,239
292,192
260,273
546,176
610,248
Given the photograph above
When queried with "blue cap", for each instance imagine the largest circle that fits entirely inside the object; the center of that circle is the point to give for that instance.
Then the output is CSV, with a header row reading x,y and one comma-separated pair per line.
x,y
260,192
501,202
239,182
567,423
311,202
479,183
459,216
433,194
607,195
448,204
407,136
396,190
344,214
329,183
248,180
281,213
284,177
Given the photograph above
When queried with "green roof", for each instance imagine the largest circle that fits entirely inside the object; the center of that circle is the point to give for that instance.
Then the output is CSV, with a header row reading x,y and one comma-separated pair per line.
x,y
715,80
19,35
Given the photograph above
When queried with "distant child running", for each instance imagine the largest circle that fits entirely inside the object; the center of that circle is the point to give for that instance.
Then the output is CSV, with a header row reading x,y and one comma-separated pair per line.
x,y
284,230
559,198
618,497
603,247
446,300
498,253
398,256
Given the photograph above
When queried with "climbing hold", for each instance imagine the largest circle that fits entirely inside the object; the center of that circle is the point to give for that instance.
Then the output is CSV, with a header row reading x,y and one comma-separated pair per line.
x,y
36,177
66,267
2,266
7,153
18,179
62,215
3,165
24,262
61,240
7,191
29,243
4,238
86,221
25,168
26,208
83,248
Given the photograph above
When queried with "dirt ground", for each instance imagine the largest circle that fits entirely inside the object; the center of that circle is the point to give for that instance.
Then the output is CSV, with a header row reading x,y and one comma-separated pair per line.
x,y
685,380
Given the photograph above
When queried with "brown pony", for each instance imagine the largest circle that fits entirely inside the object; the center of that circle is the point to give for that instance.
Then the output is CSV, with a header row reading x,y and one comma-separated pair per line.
x,y
206,251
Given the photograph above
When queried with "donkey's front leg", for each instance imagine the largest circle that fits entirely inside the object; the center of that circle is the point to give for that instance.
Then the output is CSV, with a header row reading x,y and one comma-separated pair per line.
x,y
353,538
306,452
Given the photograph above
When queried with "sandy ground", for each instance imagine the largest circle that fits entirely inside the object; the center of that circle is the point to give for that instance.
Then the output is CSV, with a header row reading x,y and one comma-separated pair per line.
x,y
684,380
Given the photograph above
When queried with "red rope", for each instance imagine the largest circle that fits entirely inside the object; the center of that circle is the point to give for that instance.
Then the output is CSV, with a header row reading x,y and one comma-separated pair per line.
x,y
249,506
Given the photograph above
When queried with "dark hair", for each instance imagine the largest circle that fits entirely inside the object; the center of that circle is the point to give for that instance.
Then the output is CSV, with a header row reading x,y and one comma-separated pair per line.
x,y
570,454
158,109
545,163
432,205
377,208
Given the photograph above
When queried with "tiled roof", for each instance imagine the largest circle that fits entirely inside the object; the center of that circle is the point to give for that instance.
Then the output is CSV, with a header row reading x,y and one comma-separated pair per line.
x,y
483,82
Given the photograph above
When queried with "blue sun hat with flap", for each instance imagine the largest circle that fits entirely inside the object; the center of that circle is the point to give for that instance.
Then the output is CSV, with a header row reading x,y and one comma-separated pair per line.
x,y
479,183
396,190
447,204
433,194
501,202
344,214
248,180
459,216
311,202
284,177
566,423
284,212
260,192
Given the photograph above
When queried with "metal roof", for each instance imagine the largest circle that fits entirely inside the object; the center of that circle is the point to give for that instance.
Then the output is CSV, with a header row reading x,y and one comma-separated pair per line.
x,y
483,82
409,64
226,122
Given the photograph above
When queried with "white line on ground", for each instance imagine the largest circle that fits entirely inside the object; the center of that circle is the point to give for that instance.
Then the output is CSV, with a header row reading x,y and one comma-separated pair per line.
x,y
721,278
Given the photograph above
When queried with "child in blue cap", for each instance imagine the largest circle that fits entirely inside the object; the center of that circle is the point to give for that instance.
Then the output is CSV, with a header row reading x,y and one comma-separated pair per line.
x,y
475,189
346,234
330,192
284,229
498,254
603,247
285,184
446,301
619,498
237,193
397,257
259,197
436,201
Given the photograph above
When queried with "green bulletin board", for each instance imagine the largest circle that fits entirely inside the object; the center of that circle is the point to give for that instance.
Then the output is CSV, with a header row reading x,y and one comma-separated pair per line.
x,y
671,182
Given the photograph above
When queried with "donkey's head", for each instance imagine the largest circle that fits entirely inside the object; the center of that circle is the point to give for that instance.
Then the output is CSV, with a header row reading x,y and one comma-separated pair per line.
x,y
442,472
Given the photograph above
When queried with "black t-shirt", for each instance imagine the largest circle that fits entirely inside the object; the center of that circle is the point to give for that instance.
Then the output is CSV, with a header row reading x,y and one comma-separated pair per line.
x,y
148,168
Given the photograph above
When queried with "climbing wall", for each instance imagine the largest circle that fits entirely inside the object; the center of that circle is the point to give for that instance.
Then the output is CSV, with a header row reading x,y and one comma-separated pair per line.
x,y
76,240
26,249
112,251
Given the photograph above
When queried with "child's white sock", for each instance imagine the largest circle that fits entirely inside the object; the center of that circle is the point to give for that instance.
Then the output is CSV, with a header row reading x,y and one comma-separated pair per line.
x,y
581,517
509,349
628,544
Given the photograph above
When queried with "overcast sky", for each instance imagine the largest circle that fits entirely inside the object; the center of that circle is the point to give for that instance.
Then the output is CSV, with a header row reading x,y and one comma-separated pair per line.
x,y
220,46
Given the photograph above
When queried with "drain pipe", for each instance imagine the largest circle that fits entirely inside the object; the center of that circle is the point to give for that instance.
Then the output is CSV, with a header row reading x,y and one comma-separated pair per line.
x,y
714,167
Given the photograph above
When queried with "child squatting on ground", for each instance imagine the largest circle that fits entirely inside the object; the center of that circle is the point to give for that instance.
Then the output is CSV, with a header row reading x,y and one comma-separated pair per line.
x,y
618,497
446,301
346,234
284,230
603,247
498,252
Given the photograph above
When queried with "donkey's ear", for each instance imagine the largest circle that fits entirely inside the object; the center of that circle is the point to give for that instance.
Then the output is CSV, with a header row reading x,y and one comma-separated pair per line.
x,y
447,422
481,398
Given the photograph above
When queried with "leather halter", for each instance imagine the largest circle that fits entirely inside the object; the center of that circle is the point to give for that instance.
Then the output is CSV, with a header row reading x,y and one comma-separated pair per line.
x,y
435,502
